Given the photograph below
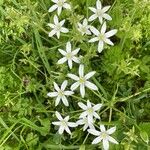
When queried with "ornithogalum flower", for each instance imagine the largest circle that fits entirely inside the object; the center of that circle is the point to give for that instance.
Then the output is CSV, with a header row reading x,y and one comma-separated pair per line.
x,y
89,111
59,4
102,36
84,27
103,135
57,27
63,123
60,93
69,55
99,12
82,81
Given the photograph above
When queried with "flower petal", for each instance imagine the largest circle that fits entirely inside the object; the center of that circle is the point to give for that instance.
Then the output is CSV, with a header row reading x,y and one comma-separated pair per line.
x,y
52,94
61,130
57,123
90,74
64,30
51,9
59,10
108,41
97,140
91,85
74,52
83,106
94,132
102,127
111,130
92,9
57,100
106,8
93,40
62,52
62,60
111,33
81,70
67,130
94,31
75,59
64,85
106,16
82,90
67,6
58,115
98,4
56,20
53,32
68,93
70,63
93,17
97,107
105,144
96,115
51,25
62,22
74,86
58,34
72,76
103,29
112,140
100,46
56,86
72,124
65,101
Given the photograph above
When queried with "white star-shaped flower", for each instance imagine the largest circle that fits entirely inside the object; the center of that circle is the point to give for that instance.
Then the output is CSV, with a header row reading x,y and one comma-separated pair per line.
x,y
57,27
82,81
84,121
99,12
69,55
63,124
103,135
102,36
84,27
60,93
59,4
89,111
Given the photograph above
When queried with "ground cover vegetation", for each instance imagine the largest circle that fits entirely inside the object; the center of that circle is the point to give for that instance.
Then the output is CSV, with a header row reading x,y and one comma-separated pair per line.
x,y
74,75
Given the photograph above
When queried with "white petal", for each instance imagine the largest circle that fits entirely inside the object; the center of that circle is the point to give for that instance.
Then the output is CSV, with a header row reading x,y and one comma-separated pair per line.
x,y
72,76
98,4
67,130
52,33
52,94
90,119
56,86
100,46
64,30
90,74
85,127
75,59
106,8
92,9
112,140
100,19
97,140
64,85
57,123
111,130
70,63
65,101
51,25
61,130
80,122
82,90
74,52
94,31
85,22
102,127
93,17
89,104
105,144
111,33
58,115
83,106
62,22
59,10
108,41
103,29
62,52
57,100
66,118
51,9
67,6
93,40
56,20
68,93
97,107
91,85
55,1
72,124
83,115
106,16
81,70
74,86
94,132
62,60
96,115
58,34
68,47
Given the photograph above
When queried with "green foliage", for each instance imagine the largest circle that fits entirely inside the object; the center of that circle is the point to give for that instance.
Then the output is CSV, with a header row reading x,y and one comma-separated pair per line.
x,y
28,68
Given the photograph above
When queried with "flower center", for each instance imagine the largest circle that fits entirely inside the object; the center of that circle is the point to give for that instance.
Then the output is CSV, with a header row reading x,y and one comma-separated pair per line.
x,y
61,93
101,37
60,3
99,12
64,123
90,110
82,80
58,27
69,55
104,135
